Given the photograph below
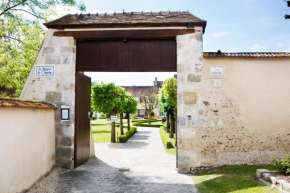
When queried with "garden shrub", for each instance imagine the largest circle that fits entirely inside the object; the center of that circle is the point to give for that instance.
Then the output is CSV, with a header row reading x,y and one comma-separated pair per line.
x,y
94,117
168,142
127,135
145,120
163,119
146,125
283,164
169,145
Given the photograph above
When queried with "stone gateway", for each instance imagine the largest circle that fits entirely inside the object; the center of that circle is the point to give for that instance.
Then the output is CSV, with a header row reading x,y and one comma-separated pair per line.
x,y
245,120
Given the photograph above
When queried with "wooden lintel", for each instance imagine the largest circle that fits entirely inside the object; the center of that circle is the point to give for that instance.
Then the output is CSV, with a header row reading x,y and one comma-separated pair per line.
x,y
134,34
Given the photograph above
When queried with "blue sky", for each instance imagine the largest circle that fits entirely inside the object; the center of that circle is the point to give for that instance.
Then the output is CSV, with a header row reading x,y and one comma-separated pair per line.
x,y
232,26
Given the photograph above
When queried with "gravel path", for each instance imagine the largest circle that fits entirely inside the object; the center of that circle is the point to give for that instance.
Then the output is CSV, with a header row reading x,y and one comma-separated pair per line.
x,y
151,169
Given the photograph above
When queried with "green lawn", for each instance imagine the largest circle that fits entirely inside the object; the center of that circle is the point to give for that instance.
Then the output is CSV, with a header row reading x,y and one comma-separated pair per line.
x,y
102,131
235,179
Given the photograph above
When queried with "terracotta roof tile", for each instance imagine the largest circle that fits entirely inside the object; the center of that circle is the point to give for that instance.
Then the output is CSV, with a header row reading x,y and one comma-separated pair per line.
x,y
25,104
249,54
125,18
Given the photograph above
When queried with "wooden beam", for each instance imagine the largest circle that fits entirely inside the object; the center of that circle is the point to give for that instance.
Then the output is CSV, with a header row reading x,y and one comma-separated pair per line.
x,y
115,34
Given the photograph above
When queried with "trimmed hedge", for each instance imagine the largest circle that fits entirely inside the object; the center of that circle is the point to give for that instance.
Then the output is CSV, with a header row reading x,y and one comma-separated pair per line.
x,y
146,125
168,142
145,120
127,135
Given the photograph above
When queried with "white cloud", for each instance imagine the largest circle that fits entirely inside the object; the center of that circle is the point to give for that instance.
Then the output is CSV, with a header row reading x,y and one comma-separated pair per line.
x,y
257,47
221,34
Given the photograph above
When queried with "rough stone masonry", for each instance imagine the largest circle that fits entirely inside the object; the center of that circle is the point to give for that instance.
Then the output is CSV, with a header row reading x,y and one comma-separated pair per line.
x,y
58,89
189,81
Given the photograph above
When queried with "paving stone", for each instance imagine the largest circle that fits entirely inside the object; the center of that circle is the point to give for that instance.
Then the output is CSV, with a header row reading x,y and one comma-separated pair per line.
x,y
151,169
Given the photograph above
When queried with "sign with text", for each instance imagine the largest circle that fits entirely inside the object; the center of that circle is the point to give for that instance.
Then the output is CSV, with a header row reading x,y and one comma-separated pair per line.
x,y
42,70
217,71
114,118
64,112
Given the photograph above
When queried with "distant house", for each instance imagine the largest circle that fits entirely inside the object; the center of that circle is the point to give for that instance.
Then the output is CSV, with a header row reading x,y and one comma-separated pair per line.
x,y
138,91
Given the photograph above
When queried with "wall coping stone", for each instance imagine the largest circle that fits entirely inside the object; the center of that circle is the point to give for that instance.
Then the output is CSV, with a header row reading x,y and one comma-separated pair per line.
x,y
5,102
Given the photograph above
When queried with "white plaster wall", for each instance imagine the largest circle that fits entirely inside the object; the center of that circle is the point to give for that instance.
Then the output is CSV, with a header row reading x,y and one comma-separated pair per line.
x,y
27,147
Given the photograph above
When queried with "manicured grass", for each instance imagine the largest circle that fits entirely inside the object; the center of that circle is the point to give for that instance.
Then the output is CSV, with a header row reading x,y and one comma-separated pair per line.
x,y
234,179
102,131
165,138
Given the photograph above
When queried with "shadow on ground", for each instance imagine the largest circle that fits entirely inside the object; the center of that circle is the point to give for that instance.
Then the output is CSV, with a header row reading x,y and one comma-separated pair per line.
x,y
97,176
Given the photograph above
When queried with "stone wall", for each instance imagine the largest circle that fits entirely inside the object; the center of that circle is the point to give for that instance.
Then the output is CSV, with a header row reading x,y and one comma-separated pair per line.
x,y
59,89
245,121
190,110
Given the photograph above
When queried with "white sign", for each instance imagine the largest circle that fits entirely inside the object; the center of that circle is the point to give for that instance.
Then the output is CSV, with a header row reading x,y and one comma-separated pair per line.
x,y
42,70
114,118
217,71
64,112
217,83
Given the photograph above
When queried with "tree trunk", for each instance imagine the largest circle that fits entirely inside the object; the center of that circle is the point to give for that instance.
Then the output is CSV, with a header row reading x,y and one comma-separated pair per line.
x,y
174,120
128,120
121,124
171,125
113,133
149,116
167,121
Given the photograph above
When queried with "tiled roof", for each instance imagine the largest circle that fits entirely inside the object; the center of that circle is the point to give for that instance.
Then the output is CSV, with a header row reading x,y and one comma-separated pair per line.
x,y
125,18
248,54
138,91
25,104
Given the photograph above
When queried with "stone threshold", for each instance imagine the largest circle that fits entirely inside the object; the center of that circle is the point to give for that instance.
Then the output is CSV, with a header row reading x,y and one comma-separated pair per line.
x,y
267,177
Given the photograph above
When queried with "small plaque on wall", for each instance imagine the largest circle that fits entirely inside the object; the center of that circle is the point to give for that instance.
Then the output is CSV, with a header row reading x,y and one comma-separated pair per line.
x,y
44,70
217,71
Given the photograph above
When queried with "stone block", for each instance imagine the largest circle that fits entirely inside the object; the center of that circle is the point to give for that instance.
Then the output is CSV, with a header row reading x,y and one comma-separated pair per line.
x,y
52,97
181,121
198,121
186,133
183,168
65,163
66,141
64,152
194,78
200,111
286,187
64,130
198,37
67,59
48,50
67,50
190,98
52,59
259,172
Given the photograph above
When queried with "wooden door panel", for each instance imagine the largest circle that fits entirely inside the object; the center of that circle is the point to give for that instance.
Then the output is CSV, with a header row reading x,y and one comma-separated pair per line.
x,y
82,121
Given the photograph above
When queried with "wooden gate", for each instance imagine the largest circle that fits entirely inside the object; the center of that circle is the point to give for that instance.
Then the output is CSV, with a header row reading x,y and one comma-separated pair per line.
x,y
82,121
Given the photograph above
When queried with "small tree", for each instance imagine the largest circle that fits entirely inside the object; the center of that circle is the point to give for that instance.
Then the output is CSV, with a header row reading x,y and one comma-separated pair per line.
x,y
168,101
131,107
150,102
109,98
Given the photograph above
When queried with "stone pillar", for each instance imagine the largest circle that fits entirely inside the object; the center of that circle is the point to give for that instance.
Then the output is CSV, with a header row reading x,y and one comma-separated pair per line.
x,y
189,107
58,89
